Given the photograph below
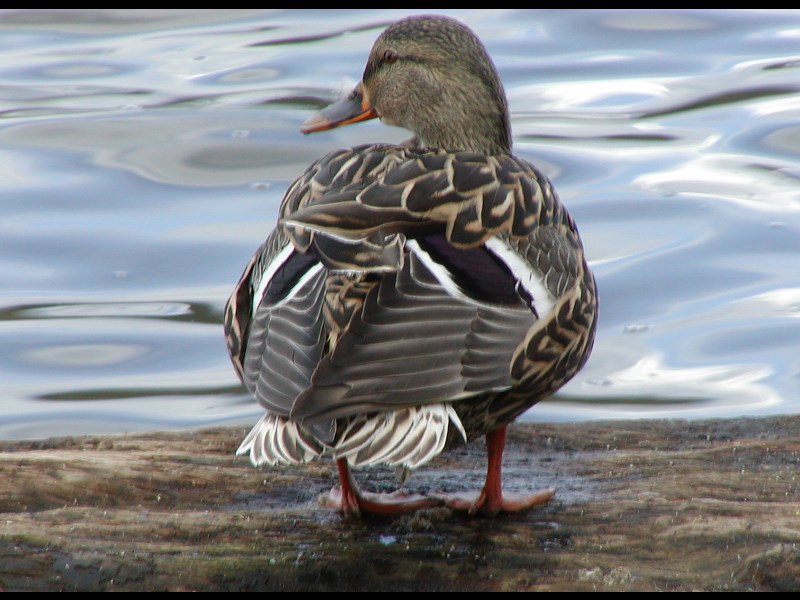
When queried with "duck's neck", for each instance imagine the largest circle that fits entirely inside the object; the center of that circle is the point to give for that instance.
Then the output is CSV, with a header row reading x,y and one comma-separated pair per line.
x,y
476,121
469,135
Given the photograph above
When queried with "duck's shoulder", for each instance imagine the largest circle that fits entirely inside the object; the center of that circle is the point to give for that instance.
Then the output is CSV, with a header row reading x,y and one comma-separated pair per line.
x,y
340,170
355,191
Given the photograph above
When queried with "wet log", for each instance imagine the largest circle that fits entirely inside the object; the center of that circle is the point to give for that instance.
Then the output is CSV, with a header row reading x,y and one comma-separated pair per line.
x,y
644,505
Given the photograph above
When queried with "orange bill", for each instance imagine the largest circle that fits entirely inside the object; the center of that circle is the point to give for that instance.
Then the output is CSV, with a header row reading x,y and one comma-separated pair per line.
x,y
352,109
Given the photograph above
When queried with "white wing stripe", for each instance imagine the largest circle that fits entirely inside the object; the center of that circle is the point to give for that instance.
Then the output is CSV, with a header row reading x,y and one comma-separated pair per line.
x,y
531,279
268,273
441,273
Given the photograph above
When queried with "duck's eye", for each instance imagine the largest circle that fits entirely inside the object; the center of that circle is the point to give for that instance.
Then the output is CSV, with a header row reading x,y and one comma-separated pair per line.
x,y
389,56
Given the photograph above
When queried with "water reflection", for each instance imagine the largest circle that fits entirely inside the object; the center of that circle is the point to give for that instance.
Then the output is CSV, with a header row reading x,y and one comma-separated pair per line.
x,y
143,155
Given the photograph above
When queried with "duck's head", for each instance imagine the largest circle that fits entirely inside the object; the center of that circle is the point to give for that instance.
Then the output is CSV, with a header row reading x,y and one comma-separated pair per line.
x,y
431,75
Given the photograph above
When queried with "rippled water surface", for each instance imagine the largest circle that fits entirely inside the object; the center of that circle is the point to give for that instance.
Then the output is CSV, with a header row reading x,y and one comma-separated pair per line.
x,y
143,155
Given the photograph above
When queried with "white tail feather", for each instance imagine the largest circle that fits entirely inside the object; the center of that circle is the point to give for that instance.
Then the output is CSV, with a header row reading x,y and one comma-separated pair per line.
x,y
276,440
406,437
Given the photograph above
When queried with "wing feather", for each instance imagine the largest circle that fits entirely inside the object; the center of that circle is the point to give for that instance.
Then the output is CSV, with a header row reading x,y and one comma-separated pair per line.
x,y
413,343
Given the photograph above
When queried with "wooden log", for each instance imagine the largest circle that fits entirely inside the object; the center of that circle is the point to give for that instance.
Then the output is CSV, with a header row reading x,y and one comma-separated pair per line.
x,y
640,505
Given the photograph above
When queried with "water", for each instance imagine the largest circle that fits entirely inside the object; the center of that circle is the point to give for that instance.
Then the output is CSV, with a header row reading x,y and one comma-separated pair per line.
x,y
143,155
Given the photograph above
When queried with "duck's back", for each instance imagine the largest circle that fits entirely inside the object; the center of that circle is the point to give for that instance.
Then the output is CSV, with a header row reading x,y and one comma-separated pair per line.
x,y
400,278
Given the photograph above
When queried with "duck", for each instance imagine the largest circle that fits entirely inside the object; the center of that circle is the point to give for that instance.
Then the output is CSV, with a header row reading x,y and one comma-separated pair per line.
x,y
417,296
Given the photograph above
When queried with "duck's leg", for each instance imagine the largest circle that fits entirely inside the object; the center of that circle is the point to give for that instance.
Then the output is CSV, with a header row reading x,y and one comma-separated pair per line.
x,y
353,502
491,500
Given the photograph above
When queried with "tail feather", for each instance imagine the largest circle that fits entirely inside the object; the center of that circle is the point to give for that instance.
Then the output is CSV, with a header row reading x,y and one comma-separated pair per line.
x,y
406,437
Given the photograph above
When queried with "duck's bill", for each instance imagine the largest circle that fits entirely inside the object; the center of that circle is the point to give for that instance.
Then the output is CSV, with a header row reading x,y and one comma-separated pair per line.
x,y
352,109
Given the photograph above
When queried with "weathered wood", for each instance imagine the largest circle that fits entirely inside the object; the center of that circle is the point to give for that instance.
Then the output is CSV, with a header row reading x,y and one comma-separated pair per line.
x,y
647,505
